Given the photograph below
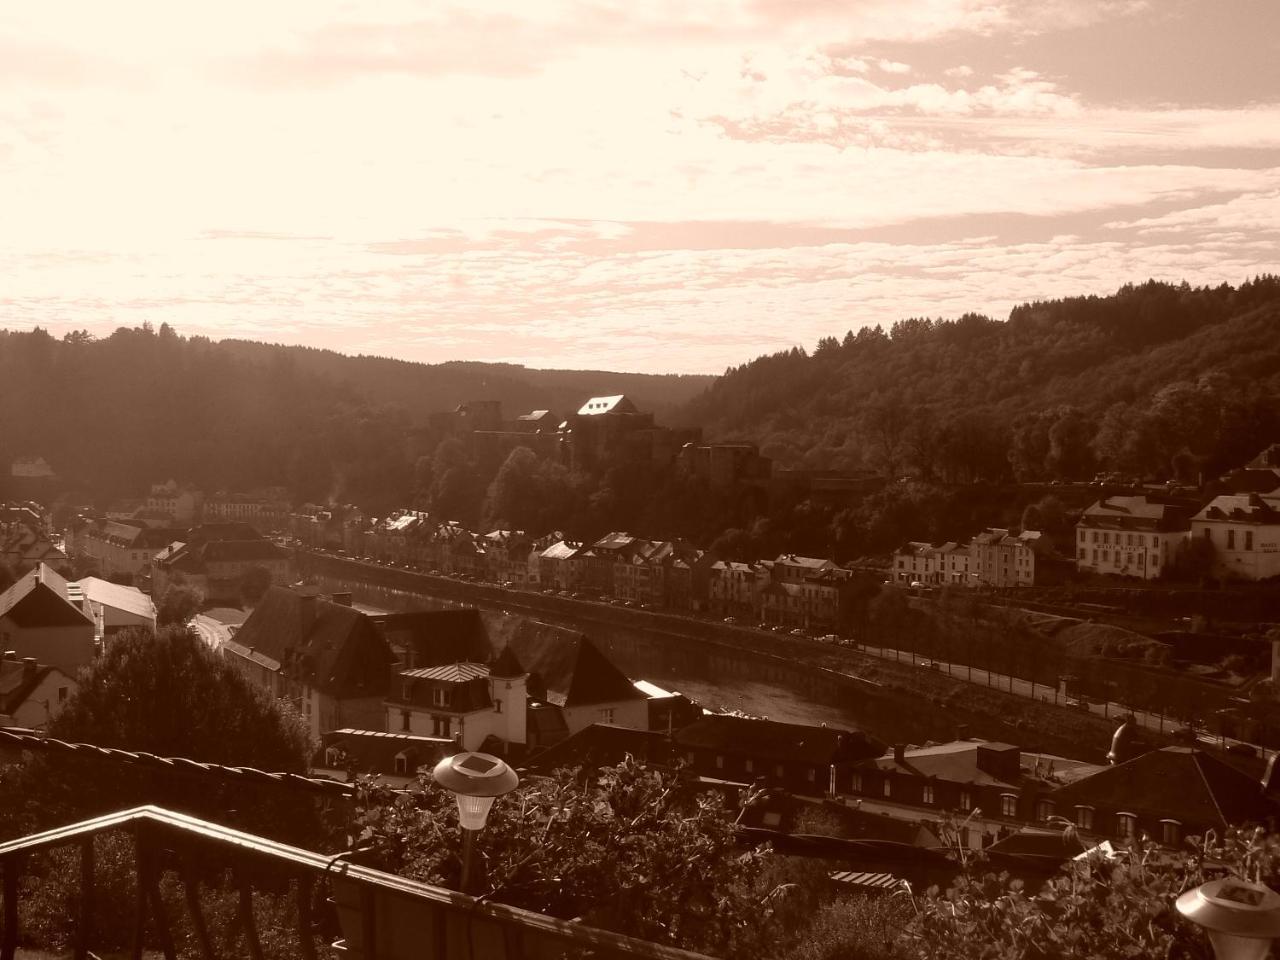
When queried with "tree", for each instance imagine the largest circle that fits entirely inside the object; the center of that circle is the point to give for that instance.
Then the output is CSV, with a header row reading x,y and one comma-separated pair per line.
x,y
179,604
631,850
169,694
513,496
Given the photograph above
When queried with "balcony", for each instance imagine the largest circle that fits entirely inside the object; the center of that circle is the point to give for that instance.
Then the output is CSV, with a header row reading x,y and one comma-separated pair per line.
x,y
341,909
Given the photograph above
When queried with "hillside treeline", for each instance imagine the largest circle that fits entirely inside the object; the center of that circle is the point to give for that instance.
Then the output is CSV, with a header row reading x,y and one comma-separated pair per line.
x,y
1156,380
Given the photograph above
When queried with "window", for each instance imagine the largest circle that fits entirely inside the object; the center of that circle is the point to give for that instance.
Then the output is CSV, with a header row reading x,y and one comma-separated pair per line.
x,y
1082,536
402,764
1044,810
1106,555
332,757
856,786
1170,832
966,800
1126,826
1095,536
811,775
1084,817
439,697
440,726
888,787
1008,804
404,720
927,795
606,714
62,694
1248,539
749,764
1231,539
719,761
497,706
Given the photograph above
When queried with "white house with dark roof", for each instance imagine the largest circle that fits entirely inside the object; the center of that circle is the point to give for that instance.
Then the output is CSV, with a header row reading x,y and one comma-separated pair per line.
x,y
1245,532
473,703
31,693
38,619
1133,536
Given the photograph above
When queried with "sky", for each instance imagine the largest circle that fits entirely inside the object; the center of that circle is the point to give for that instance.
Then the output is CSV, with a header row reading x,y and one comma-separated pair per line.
x,y
657,186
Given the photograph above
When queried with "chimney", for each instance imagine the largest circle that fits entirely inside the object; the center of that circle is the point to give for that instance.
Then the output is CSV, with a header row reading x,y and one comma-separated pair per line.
x,y
899,752
342,598
1000,760
29,668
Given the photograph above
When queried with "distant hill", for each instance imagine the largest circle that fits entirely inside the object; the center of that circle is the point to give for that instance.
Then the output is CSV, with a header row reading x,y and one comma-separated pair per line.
x,y
113,414
1062,387
424,388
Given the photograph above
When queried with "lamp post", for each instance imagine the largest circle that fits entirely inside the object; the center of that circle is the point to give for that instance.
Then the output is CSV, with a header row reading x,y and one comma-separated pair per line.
x,y
475,780
1240,917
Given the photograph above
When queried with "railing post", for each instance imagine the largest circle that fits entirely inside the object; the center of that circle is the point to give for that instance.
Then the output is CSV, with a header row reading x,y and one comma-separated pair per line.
x,y
84,930
306,917
245,909
149,889
9,945
191,890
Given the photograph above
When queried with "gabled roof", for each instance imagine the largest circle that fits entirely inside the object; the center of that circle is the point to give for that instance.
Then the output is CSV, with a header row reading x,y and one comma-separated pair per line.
x,y
597,406
573,671
957,762
41,599
1137,513
561,550
129,599
1249,508
1178,783
336,649
16,684
772,740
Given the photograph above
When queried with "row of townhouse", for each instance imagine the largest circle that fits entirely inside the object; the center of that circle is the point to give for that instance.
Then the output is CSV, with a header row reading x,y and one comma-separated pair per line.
x,y
1140,536
664,574
997,557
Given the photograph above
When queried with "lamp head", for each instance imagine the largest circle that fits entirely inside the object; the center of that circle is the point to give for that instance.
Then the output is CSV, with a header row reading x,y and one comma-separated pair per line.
x,y
1241,917
475,779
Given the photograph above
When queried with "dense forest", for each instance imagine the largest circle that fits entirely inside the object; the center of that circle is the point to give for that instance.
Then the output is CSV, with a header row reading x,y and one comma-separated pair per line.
x,y
114,414
1156,380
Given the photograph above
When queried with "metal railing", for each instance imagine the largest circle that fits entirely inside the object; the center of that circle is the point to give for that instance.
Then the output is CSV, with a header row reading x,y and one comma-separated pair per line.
x,y
380,916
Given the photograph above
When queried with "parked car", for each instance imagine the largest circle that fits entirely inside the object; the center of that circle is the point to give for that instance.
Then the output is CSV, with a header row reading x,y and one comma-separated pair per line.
x,y
829,638
730,620
797,632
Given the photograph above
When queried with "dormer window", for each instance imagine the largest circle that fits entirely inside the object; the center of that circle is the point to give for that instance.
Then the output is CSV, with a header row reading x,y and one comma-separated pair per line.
x,y
1084,817
1126,826
439,697
1170,832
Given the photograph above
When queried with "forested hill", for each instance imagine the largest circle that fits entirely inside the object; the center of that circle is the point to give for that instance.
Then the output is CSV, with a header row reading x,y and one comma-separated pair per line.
x,y
114,414
423,388
1129,382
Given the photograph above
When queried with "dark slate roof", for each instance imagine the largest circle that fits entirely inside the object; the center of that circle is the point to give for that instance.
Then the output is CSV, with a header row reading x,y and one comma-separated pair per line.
x,y
570,667
506,665
603,745
372,751
772,740
16,686
40,600
210,532
1178,783
340,651
432,638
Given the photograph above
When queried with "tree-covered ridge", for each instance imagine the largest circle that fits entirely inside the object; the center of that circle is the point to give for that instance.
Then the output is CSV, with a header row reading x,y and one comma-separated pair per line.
x,y
949,397
114,414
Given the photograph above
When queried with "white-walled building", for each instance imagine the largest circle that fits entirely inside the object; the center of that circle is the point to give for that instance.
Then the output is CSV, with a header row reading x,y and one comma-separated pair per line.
x,y
469,702
1131,536
1245,532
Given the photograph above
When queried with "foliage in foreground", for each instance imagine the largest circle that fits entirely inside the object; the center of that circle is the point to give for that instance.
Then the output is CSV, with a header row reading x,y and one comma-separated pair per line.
x,y
1103,909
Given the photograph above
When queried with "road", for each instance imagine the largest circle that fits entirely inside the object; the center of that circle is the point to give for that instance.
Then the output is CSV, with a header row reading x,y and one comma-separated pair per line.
x,y
1039,691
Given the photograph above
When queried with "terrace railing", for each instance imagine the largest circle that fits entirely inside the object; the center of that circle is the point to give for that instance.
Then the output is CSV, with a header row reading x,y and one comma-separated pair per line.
x,y
379,916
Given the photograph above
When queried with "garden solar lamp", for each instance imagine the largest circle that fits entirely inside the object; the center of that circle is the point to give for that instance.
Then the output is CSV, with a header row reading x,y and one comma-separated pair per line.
x,y
475,780
1241,917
